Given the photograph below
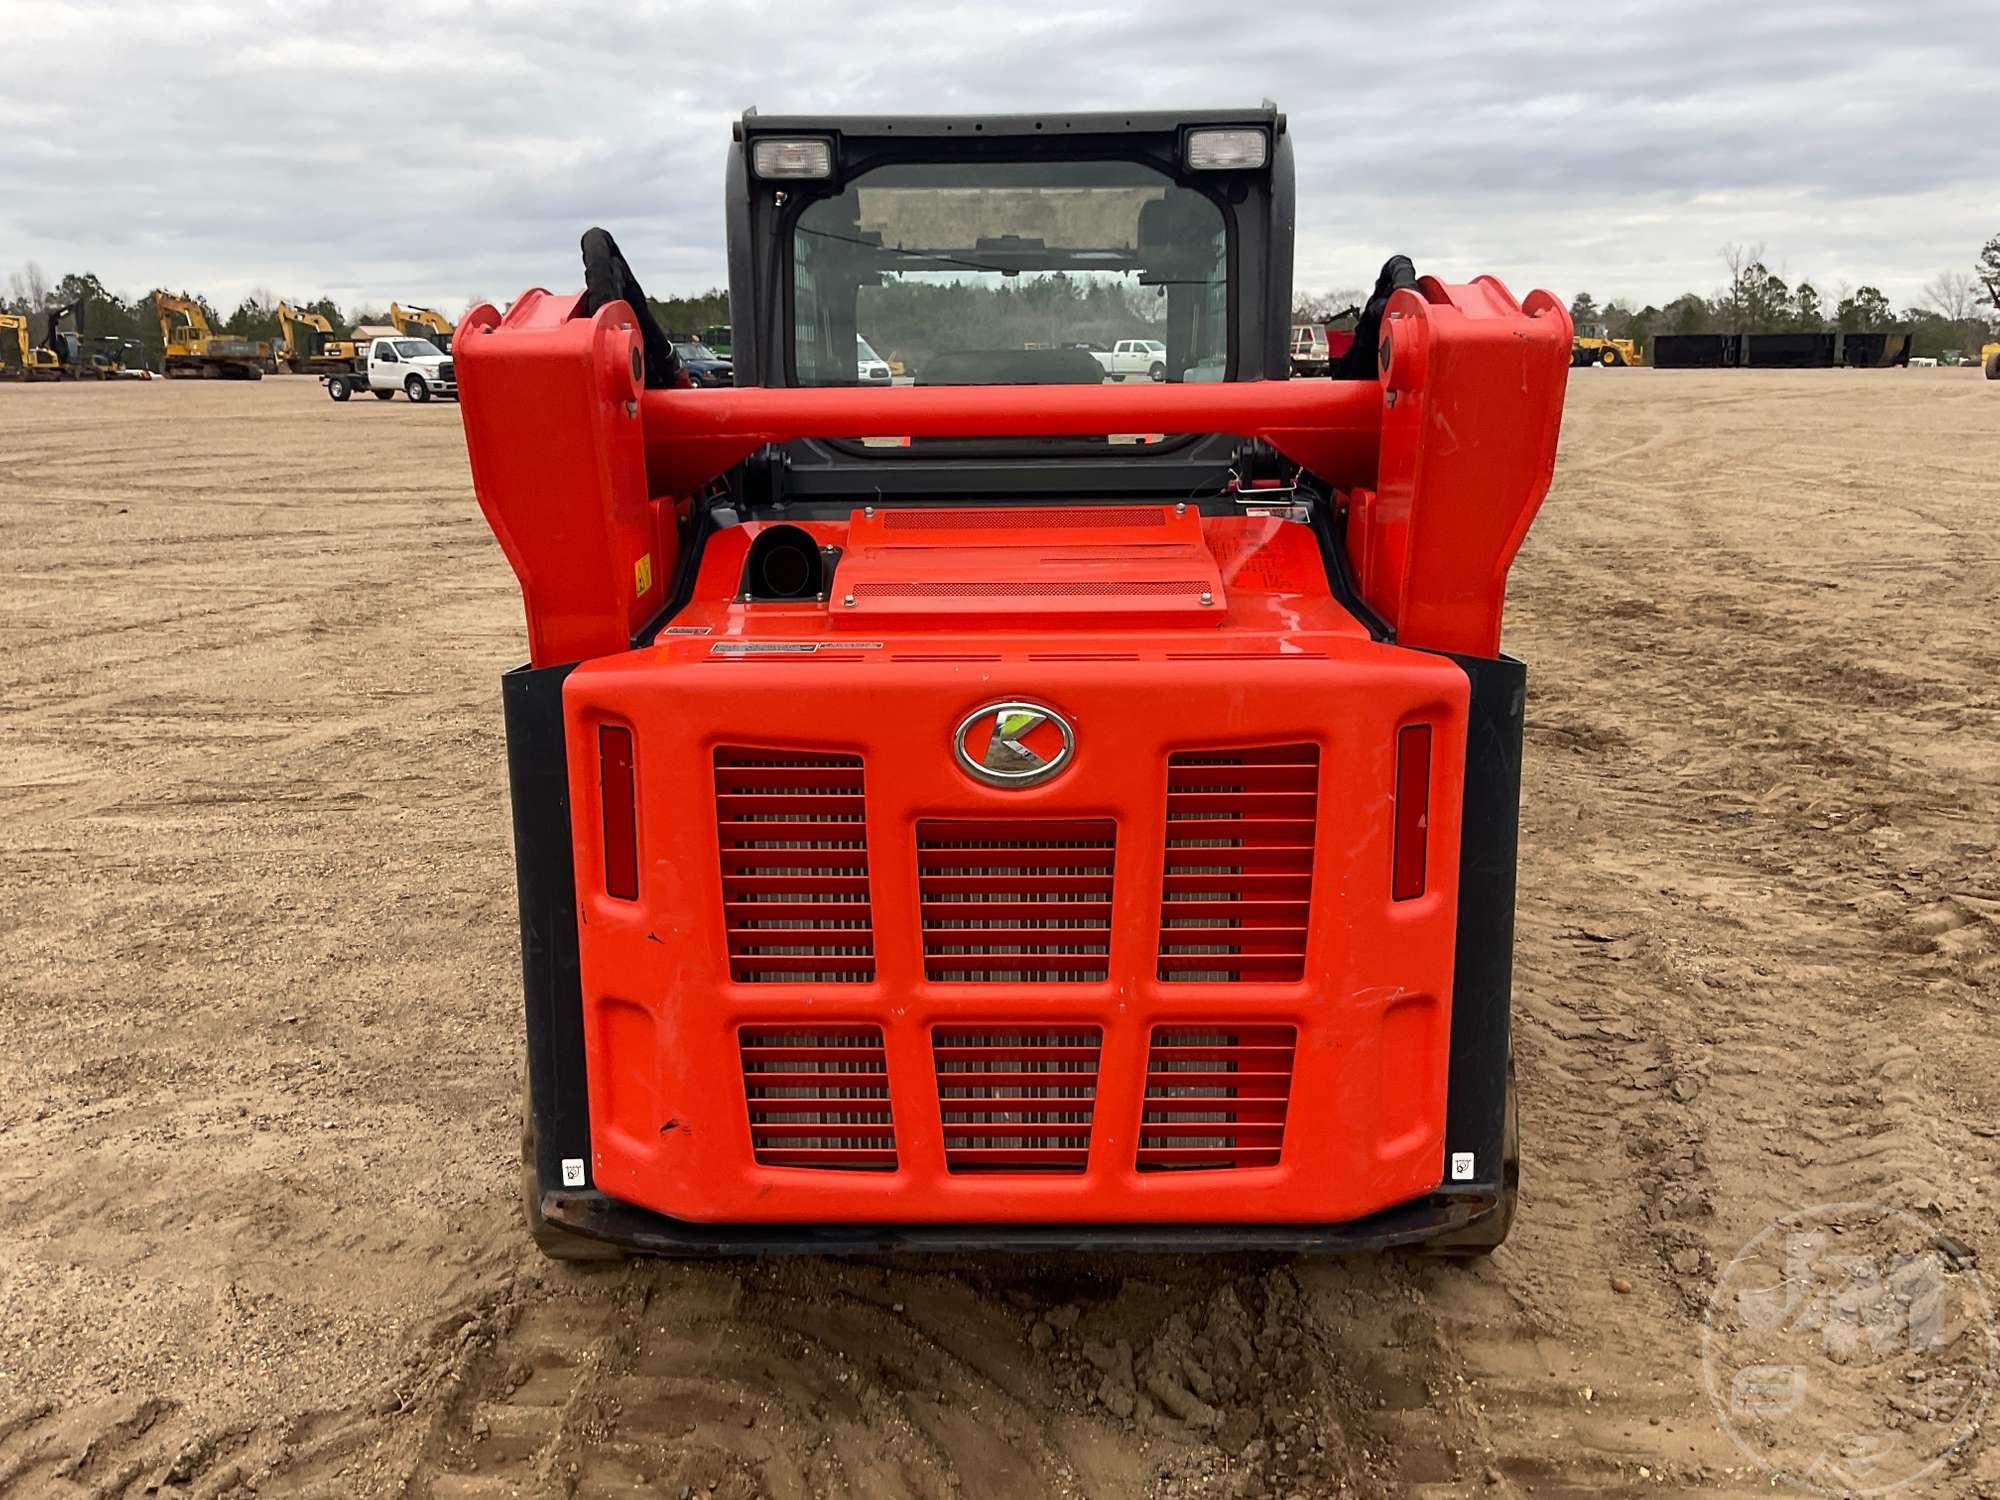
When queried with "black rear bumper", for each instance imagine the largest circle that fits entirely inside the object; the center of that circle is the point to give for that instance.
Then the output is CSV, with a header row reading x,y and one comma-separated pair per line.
x,y
604,1218
558,1089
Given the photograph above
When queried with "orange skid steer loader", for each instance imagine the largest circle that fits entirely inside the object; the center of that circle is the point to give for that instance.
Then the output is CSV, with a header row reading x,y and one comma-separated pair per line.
x,y
996,805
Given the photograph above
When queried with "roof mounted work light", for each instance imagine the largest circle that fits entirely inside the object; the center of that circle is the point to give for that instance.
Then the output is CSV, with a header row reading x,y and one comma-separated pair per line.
x,y
1234,149
793,158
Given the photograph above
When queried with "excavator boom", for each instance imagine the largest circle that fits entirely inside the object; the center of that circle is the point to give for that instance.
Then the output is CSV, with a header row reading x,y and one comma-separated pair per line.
x,y
418,321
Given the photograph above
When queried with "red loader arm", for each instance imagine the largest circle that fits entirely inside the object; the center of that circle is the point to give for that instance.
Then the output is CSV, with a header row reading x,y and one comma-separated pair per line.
x,y
1445,459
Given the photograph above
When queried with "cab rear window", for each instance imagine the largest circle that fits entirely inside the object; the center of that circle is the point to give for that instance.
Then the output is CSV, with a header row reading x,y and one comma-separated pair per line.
x,y
990,273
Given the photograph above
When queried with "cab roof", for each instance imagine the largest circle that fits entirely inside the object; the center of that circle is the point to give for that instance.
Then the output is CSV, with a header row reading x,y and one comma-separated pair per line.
x,y
1053,122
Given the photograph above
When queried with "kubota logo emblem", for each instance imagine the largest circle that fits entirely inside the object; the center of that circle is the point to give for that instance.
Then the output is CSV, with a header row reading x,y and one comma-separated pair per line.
x,y
1014,744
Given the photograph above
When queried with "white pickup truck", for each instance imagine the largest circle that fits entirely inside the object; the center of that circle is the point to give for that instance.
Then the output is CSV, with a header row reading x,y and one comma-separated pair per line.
x,y
1131,359
416,367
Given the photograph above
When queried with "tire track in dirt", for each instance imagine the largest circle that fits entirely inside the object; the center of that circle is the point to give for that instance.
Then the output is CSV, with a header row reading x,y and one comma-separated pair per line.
x,y
147,1447
1693,1071
1009,1379
1778,1075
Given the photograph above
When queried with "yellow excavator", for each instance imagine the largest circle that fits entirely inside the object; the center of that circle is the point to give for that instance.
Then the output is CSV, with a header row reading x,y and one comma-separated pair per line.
x,y
1989,357
304,337
196,351
21,360
422,322
317,351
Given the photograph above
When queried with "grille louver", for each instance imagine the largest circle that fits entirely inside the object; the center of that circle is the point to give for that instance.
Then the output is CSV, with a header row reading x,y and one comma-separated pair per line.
x,y
1216,1097
1022,901
1237,883
818,1097
793,832
1017,1100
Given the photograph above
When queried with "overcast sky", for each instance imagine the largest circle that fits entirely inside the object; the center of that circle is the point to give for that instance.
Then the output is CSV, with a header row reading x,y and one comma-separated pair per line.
x,y
436,152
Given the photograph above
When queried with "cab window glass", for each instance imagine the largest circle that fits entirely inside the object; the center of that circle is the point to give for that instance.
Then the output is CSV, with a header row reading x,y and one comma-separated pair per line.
x,y
1014,273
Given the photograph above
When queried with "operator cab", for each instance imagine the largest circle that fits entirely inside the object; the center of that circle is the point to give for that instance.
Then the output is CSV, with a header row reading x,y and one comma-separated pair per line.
x,y
1072,249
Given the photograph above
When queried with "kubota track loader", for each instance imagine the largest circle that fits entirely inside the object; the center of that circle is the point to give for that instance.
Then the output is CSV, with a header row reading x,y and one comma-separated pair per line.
x,y
999,808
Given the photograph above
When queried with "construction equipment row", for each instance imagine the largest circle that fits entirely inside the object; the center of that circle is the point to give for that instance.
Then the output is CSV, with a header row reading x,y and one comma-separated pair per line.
x,y
194,350
60,355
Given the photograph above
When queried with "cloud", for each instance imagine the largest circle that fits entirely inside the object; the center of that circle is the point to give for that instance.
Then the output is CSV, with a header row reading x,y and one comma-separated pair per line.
x,y
450,150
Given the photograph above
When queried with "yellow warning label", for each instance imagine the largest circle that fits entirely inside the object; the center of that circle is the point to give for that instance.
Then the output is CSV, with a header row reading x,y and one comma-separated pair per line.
x,y
642,575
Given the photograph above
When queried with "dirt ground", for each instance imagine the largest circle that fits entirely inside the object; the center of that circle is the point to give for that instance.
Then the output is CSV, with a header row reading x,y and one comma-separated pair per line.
x,y
259,991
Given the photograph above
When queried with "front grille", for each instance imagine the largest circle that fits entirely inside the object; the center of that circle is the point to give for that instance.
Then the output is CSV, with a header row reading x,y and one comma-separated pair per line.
x,y
1017,1100
1216,1098
818,1097
445,372
792,827
1027,900
1237,883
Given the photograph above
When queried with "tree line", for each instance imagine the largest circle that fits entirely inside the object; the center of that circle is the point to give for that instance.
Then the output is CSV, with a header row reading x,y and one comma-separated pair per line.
x,y
911,319
1959,309
908,319
686,317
